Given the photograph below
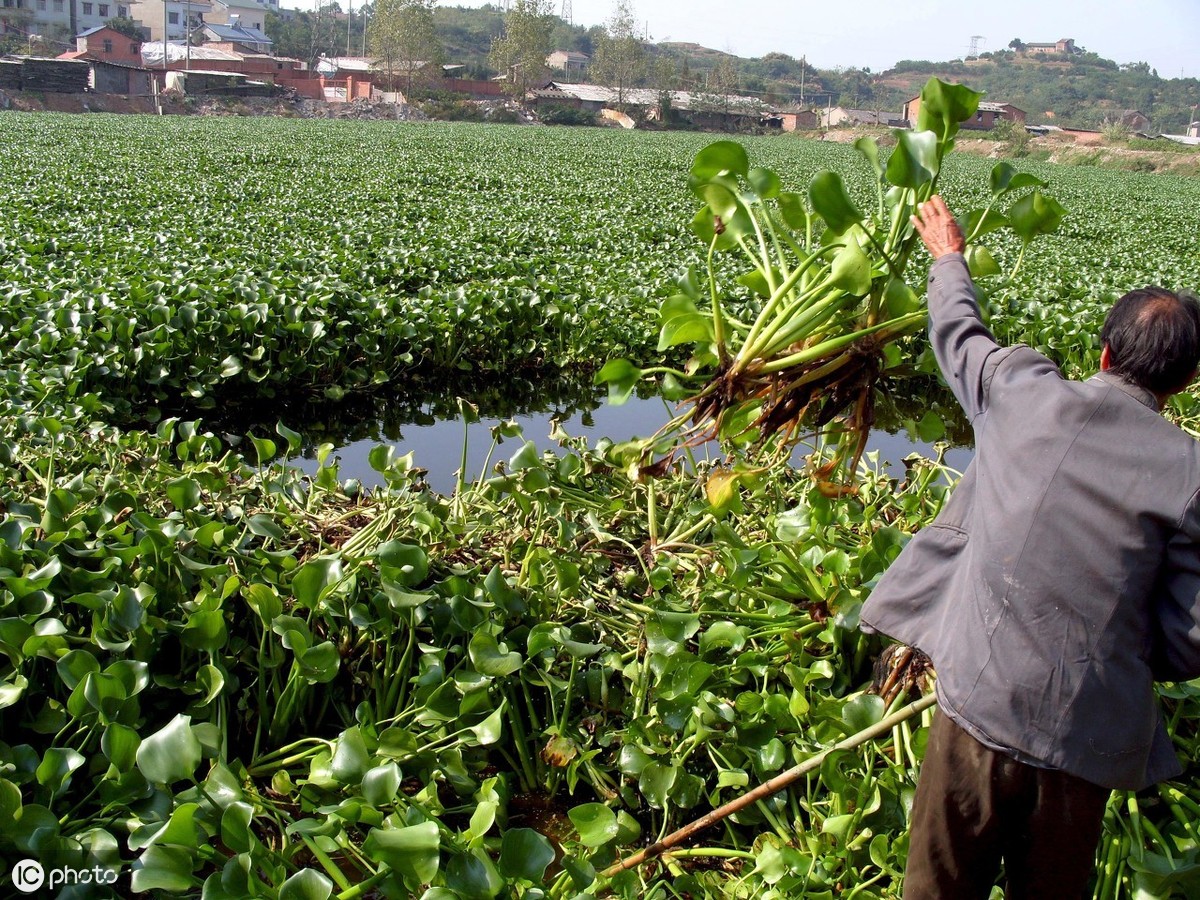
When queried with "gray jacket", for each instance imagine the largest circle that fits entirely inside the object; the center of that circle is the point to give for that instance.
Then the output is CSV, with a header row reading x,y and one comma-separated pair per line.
x,y
1063,574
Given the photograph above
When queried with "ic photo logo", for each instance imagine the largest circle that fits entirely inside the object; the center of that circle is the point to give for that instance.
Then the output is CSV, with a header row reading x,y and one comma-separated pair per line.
x,y
29,875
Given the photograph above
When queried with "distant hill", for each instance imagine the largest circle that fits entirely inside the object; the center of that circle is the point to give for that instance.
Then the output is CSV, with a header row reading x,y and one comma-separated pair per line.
x,y
1081,89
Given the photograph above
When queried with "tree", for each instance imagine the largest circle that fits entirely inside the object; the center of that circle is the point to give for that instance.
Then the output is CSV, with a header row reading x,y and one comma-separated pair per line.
x,y
1016,44
520,52
402,35
127,27
620,60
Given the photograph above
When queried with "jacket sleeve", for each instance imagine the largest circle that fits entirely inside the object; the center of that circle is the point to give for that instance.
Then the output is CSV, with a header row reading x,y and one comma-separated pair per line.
x,y
964,347
1176,654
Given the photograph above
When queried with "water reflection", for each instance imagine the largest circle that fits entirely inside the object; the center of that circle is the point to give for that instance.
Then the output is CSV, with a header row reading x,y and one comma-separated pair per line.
x,y
427,421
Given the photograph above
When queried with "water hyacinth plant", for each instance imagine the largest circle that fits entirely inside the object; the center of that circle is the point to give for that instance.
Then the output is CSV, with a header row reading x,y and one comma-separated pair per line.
x,y
829,289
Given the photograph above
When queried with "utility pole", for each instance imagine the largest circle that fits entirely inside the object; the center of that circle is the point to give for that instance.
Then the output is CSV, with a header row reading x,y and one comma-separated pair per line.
x,y
976,42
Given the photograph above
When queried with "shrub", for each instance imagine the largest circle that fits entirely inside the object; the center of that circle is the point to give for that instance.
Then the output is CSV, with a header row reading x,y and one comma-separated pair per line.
x,y
561,114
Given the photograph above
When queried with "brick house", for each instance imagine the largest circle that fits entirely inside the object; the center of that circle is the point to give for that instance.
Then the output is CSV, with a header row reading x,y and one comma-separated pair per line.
x,y
1063,45
106,44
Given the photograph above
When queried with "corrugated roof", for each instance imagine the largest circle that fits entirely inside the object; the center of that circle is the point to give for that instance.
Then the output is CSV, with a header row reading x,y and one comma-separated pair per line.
x,y
91,31
685,100
238,33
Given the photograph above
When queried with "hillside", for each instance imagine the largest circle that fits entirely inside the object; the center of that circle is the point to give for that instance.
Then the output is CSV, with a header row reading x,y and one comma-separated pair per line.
x,y
1082,90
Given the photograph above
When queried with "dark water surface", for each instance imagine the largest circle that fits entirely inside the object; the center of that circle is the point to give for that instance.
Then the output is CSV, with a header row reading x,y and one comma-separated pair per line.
x,y
432,429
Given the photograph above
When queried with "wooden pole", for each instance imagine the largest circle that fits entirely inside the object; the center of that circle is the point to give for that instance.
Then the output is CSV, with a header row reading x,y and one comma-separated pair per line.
x,y
773,786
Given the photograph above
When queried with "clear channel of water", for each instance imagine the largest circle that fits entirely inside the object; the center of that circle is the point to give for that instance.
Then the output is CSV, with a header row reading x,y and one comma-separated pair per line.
x,y
434,432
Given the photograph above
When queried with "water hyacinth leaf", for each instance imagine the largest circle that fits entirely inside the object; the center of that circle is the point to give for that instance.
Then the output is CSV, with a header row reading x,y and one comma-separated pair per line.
x,y
979,222
687,329
1035,214
473,875
184,493
620,375
54,771
655,783
170,754
667,631
944,106
265,526
74,666
235,827
757,281
851,270
721,232
869,148
723,636
862,712
490,730
595,822
315,577
350,757
411,850
380,784
831,201
721,201
914,162
980,262
119,744
166,869
405,564
899,299
793,210
525,854
764,182
719,158
492,658
307,884
294,440
320,664
1004,178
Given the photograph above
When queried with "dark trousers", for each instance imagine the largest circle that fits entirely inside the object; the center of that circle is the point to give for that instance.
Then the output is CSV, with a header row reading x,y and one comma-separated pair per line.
x,y
975,807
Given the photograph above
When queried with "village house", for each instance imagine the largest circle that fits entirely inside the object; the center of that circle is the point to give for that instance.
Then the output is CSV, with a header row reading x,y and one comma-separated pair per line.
x,y
107,45
235,38
841,115
175,19
568,62
57,19
793,119
1063,45
246,13
985,118
704,109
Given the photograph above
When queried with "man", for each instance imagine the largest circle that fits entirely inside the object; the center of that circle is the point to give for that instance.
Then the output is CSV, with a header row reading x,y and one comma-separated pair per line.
x,y
1060,579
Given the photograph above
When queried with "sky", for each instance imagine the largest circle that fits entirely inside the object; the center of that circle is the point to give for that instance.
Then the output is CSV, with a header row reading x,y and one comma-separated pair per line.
x,y
877,33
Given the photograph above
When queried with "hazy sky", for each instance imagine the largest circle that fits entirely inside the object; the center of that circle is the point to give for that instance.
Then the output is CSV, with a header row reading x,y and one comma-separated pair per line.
x,y
877,33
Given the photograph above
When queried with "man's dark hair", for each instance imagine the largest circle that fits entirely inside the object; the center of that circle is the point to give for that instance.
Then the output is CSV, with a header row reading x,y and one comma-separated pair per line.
x,y
1153,338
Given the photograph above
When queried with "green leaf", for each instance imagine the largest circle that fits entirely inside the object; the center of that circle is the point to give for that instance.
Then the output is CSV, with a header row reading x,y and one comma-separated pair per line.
x,y
620,375
1005,178
1035,214
862,712
380,784
793,210
832,202
685,329
350,757
983,221
473,876
183,493
120,744
170,754
524,853
655,783
763,182
307,884
914,162
314,578
166,869
412,850
944,106
230,366
900,299
491,658
719,158
851,269
980,262
404,564
869,148
235,827
595,822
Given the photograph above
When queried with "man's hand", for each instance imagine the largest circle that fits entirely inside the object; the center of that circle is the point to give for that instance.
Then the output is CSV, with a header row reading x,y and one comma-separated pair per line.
x,y
937,228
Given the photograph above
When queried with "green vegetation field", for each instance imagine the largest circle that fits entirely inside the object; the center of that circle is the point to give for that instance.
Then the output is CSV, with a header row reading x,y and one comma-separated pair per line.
x,y
227,679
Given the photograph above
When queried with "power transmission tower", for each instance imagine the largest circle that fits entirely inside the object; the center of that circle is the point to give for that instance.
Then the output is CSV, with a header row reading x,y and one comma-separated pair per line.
x,y
568,15
976,42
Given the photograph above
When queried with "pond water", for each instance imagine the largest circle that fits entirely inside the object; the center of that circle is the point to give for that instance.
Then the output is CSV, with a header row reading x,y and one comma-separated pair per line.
x,y
432,428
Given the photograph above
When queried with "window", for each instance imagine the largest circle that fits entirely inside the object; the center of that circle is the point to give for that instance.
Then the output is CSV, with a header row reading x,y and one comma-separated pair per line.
x,y
42,5
173,18
87,9
58,5
107,46
134,48
104,10
122,11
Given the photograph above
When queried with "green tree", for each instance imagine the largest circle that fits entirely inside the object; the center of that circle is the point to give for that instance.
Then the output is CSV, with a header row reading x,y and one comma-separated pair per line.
x,y
127,27
620,60
520,52
402,35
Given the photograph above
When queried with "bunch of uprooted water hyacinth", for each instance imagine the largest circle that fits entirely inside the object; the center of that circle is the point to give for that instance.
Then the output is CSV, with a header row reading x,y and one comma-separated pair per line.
x,y
829,282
